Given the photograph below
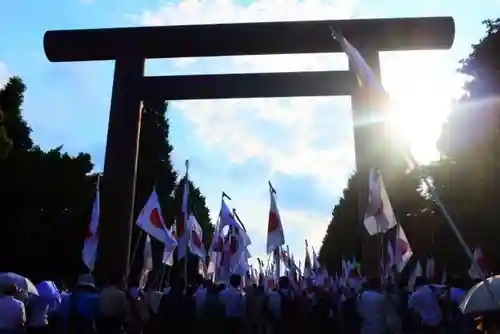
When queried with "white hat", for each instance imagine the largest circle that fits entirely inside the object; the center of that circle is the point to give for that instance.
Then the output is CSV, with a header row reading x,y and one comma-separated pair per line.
x,y
86,280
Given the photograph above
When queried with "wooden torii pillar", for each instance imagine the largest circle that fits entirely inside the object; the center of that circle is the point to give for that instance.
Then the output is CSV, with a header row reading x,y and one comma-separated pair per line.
x,y
130,47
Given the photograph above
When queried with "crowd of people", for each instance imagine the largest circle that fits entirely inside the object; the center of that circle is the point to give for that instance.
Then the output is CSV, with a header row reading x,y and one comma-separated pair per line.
x,y
229,308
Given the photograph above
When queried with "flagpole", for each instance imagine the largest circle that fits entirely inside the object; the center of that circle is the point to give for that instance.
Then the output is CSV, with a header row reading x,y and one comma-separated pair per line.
x,y
97,189
239,220
216,264
162,275
276,252
134,252
168,276
437,200
277,262
186,230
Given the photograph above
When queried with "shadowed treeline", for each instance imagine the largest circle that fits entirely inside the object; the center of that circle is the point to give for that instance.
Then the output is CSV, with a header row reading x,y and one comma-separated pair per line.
x,y
47,195
467,178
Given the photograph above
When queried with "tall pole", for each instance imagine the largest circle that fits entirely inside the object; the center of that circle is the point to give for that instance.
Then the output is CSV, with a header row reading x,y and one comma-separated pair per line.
x,y
120,171
186,230
277,262
368,142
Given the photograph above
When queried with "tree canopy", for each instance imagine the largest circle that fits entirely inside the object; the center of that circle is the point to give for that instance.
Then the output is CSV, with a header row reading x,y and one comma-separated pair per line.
x,y
49,194
467,177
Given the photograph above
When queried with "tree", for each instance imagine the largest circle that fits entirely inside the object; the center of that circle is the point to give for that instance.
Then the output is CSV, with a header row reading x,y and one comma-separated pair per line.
x,y
467,176
155,169
5,142
48,195
46,200
470,144
345,234
11,100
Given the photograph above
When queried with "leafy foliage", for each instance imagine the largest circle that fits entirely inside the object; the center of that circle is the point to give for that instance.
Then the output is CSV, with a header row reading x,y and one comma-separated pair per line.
x,y
467,177
49,194
46,198
155,170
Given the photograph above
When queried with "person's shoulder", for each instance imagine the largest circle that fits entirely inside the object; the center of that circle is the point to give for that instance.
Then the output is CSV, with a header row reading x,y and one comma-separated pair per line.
x,y
13,302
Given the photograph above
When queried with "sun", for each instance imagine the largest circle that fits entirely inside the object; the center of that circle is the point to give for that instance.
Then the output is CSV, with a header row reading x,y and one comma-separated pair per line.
x,y
419,123
421,98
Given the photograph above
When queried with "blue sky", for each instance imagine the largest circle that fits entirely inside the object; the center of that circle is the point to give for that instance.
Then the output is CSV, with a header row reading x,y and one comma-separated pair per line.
x,y
304,145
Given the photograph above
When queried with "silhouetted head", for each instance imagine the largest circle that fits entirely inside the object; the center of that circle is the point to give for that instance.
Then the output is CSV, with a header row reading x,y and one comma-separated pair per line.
x,y
199,279
284,282
117,280
419,281
9,289
372,283
235,280
177,284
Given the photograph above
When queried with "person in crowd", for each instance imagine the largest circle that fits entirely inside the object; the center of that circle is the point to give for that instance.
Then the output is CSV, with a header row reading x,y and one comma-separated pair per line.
x,y
282,308
38,312
255,301
213,310
80,309
114,307
425,307
173,307
234,305
372,308
12,311
350,319
393,303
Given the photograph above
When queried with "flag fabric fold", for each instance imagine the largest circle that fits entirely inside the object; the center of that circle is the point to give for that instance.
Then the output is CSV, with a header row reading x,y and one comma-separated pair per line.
x,y
403,251
196,239
379,216
275,235
150,220
183,224
92,239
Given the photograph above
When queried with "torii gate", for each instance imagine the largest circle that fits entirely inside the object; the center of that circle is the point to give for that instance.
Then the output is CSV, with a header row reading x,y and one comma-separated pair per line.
x,y
130,47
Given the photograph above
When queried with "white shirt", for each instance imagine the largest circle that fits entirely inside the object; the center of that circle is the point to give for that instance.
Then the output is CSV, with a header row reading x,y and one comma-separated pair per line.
x,y
234,302
274,301
12,313
372,306
425,303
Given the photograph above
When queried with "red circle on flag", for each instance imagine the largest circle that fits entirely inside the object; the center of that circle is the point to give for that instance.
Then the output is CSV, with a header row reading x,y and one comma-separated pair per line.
x,y
274,223
89,232
155,219
196,239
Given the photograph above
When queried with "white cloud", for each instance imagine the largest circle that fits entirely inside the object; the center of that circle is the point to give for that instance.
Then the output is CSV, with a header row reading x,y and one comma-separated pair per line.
x,y
305,136
236,124
282,133
228,11
4,73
